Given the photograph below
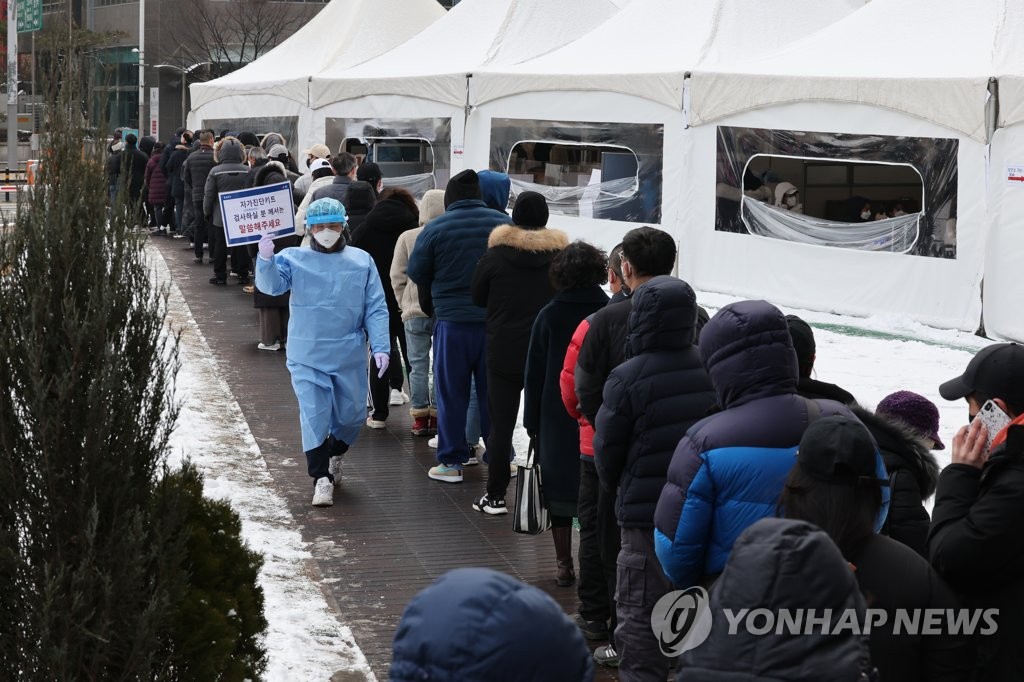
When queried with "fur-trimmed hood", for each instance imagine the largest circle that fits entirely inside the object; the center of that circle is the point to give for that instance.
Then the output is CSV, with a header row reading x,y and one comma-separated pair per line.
x,y
521,239
901,448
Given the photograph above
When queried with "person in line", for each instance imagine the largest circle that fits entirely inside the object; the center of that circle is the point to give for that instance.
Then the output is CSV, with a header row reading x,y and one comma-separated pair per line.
x,y
729,469
317,151
345,166
127,168
518,633
229,175
905,427
834,486
175,159
976,540
196,171
806,354
781,564
599,531
577,273
442,264
650,401
394,214
419,327
157,196
512,282
371,174
322,173
337,307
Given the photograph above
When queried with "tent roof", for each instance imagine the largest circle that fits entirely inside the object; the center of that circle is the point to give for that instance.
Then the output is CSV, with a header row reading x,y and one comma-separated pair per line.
x,y
433,65
927,58
647,49
344,33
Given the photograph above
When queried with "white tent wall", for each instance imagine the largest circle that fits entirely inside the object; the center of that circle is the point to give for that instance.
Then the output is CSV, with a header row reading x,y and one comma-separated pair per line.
x,y
942,292
1003,293
262,114
594,107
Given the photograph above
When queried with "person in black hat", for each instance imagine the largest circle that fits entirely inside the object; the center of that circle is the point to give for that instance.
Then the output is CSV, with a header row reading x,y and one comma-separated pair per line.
x,y
834,486
803,344
370,173
976,540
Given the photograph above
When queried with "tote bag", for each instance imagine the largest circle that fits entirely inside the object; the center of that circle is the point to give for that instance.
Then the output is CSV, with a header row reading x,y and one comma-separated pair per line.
x,y
531,516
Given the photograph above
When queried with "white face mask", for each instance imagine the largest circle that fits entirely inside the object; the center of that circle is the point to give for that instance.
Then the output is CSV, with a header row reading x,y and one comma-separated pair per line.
x,y
327,238
897,213
865,215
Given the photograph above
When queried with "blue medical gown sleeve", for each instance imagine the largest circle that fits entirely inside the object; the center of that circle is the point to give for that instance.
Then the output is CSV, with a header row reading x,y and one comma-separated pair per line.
x,y
273,277
375,314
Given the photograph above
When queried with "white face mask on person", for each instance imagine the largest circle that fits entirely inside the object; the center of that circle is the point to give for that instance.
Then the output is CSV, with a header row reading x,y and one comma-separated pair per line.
x,y
327,238
865,215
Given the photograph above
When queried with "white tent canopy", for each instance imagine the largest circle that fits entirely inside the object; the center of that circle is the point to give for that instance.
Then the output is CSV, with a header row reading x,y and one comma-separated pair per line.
x,y
928,58
345,33
647,49
434,64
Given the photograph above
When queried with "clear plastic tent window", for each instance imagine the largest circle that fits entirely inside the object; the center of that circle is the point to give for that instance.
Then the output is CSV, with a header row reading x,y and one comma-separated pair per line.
x,y
611,171
287,126
413,154
864,192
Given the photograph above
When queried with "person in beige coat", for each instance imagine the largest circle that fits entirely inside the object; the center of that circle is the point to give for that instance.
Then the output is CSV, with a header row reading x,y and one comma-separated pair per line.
x,y
419,327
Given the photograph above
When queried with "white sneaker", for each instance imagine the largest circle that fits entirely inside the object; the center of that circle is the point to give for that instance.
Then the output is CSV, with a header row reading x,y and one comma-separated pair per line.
x,y
375,423
432,442
513,470
274,346
334,468
398,397
323,493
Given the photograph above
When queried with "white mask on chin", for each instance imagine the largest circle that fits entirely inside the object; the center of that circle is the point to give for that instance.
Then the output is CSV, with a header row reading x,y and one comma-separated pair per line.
x,y
327,238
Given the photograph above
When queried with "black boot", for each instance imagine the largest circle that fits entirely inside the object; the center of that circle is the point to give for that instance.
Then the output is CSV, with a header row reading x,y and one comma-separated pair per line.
x,y
566,575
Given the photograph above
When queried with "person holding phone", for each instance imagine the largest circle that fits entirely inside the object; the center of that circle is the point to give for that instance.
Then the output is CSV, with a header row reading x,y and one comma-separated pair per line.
x,y
976,539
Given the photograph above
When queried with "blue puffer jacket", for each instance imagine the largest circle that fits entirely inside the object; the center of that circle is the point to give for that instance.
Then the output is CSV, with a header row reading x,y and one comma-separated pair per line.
x,y
516,632
729,468
446,254
651,399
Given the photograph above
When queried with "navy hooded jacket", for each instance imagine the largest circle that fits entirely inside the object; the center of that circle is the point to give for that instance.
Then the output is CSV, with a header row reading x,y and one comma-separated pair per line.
x,y
651,399
729,469
510,631
446,254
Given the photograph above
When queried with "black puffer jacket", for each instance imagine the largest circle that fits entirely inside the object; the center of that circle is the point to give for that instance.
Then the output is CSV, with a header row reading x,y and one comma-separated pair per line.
x,y
511,281
175,160
651,399
359,201
378,235
976,544
227,176
913,474
782,564
266,173
197,169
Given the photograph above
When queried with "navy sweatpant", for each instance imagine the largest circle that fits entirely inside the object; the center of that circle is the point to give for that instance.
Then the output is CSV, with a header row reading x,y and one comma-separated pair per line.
x,y
459,354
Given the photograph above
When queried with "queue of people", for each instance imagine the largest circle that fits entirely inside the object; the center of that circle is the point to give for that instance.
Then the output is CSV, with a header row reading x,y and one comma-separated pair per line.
x,y
696,451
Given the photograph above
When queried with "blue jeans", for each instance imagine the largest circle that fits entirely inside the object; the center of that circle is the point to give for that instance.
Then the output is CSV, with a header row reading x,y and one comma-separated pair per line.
x,y
418,332
459,359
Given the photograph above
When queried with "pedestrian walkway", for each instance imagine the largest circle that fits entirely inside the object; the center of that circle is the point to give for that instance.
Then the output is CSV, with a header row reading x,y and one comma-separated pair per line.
x,y
391,531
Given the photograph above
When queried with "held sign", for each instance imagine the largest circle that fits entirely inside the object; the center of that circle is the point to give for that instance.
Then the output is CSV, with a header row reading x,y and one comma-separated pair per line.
x,y
251,213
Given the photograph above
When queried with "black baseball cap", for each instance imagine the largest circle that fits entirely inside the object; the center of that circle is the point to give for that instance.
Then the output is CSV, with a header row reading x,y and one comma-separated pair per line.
x,y
995,372
838,449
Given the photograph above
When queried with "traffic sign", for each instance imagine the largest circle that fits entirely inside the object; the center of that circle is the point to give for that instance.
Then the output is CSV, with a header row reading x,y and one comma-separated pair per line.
x,y
30,15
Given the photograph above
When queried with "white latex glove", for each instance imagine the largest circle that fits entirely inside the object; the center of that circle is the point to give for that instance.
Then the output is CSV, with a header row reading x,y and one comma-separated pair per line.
x,y
266,247
382,360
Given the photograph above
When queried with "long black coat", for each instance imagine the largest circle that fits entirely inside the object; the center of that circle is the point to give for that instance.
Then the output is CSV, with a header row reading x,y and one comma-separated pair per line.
x,y
511,281
543,413
976,543
271,173
378,234
913,473
651,399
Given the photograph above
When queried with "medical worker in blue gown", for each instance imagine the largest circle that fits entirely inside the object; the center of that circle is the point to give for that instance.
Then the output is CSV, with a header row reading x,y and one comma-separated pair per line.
x,y
337,302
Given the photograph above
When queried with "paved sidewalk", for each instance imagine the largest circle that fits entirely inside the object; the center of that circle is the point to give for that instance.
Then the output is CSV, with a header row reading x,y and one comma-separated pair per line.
x,y
391,530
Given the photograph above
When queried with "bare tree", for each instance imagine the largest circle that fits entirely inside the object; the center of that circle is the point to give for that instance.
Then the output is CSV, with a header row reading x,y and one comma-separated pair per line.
x,y
233,33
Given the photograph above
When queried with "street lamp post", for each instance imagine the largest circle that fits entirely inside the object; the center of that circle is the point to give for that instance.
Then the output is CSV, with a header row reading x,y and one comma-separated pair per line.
x,y
184,71
143,123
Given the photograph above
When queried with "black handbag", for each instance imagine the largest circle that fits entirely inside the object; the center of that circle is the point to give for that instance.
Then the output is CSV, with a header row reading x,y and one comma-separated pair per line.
x,y
531,514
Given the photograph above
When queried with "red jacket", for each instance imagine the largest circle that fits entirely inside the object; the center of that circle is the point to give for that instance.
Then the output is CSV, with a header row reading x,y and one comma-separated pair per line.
x,y
567,384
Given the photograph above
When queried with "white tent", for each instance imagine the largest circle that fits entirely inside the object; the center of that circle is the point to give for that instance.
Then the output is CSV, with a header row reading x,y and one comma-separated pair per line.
x,y
907,79
417,91
343,34
618,92
1004,296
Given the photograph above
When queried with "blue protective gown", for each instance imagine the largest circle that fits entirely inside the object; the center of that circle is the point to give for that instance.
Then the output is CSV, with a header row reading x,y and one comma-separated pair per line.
x,y
337,301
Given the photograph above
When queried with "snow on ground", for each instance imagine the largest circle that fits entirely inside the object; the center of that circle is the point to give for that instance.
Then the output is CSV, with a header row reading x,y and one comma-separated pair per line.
x,y
870,357
304,639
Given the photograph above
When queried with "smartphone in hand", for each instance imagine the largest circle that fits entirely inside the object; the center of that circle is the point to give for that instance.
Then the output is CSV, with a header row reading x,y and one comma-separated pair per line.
x,y
994,419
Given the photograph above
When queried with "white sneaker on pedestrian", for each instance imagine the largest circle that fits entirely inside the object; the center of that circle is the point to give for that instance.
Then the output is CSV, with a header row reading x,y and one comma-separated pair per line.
x,y
273,346
334,468
376,423
432,442
323,493
513,470
398,397
448,474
